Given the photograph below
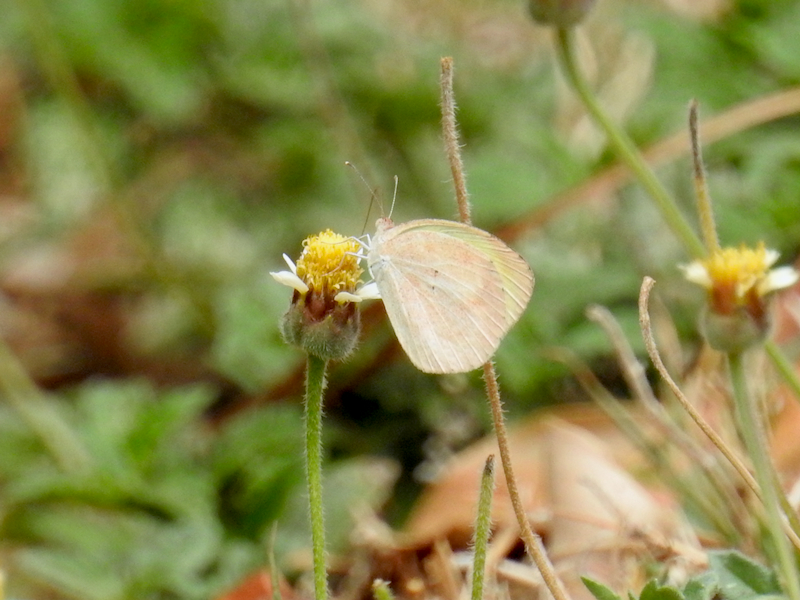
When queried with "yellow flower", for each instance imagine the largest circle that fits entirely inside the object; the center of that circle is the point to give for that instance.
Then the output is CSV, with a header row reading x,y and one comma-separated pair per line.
x,y
329,265
739,282
322,318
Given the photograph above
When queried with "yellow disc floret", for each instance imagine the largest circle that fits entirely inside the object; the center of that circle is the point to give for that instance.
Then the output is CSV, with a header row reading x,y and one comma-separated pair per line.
x,y
739,282
330,263
739,269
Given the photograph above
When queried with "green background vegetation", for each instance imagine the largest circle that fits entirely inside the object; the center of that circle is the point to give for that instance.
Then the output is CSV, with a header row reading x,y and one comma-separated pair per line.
x,y
169,151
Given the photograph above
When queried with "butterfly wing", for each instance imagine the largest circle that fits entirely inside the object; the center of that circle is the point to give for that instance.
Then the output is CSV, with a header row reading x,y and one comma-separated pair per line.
x,y
451,291
515,274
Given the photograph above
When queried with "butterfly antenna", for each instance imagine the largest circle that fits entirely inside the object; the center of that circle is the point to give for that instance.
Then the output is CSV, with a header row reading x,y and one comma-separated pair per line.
x,y
373,198
394,196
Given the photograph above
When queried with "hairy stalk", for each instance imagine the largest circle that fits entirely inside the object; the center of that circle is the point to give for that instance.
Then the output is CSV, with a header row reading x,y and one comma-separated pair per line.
x,y
708,227
751,430
704,209
450,134
483,527
533,544
315,386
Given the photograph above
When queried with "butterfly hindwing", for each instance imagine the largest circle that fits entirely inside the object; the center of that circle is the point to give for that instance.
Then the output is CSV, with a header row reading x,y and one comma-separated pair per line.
x,y
451,291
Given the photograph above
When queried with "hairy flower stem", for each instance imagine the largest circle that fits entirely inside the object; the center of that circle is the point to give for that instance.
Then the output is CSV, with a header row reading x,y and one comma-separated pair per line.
x,y
533,544
704,208
315,386
623,145
483,528
452,146
751,429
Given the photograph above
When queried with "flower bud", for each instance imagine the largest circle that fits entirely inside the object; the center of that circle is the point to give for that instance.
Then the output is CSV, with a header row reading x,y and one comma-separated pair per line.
x,y
737,331
561,13
321,326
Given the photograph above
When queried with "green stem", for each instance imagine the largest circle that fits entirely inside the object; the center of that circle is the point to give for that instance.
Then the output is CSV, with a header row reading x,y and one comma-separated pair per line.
x,y
789,374
273,565
625,147
315,386
751,430
784,367
483,527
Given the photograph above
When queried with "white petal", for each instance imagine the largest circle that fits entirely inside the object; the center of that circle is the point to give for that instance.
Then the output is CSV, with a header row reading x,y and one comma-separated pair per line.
x,y
696,273
778,279
770,256
290,263
343,297
369,291
291,280
365,292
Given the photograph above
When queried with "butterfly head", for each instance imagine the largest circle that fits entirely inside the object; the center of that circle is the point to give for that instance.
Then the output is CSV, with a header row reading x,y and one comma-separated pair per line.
x,y
383,224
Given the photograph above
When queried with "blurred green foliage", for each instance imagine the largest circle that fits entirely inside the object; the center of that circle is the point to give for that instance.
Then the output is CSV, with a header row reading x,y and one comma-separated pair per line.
x,y
731,575
214,133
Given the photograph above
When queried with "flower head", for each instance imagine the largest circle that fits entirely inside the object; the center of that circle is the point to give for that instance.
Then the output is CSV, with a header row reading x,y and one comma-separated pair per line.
x,y
322,318
739,282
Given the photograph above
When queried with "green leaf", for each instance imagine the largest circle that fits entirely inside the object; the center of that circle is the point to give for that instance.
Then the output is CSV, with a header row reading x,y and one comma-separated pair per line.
x,y
654,591
702,587
741,578
599,590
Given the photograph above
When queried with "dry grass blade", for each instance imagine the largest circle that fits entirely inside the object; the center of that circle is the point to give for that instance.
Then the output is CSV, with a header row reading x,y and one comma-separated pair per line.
x,y
652,351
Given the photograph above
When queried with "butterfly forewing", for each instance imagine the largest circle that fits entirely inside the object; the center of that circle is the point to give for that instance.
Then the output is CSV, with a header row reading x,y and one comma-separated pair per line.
x,y
451,291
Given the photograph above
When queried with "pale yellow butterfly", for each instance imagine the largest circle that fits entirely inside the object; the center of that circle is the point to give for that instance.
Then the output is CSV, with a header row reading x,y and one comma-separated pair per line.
x,y
452,291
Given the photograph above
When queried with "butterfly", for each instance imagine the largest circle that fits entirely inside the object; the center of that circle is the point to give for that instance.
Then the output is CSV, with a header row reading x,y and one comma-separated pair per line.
x,y
451,291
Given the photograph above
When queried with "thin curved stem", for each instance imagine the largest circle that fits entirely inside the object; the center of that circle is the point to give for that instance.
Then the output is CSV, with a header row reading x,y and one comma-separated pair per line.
x,y
533,543
713,436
